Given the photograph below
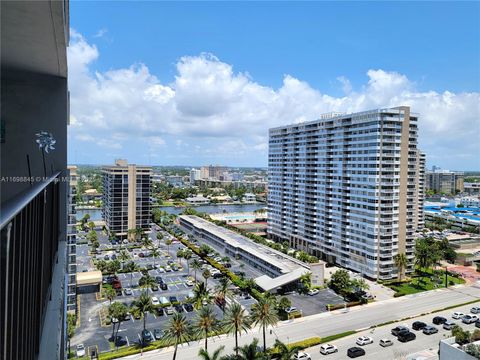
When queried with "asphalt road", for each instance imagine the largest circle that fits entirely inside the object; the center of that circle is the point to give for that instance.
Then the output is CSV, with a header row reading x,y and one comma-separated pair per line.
x,y
427,344
338,321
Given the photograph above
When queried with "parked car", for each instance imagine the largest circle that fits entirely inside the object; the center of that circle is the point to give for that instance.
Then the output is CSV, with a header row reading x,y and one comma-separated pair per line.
x,y
439,320
116,284
114,257
448,325
157,333
355,352
469,319
160,311
161,269
364,340
188,307
328,349
106,257
189,283
313,292
169,310
141,255
128,291
477,323
80,350
168,268
475,310
386,342
302,356
458,315
290,309
147,336
429,330
119,341
406,336
399,329
173,299
154,287
155,301
418,325
179,308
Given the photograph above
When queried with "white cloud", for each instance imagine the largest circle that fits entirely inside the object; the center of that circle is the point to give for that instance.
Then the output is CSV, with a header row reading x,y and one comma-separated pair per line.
x,y
221,109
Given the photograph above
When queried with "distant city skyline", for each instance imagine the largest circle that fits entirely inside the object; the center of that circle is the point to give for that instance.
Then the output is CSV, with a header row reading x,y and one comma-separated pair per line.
x,y
206,90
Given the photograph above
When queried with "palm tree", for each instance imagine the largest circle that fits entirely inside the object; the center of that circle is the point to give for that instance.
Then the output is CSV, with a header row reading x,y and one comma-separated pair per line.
x,y
144,305
168,242
146,281
109,293
123,256
236,321
180,255
118,311
200,294
196,265
223,291
146,242
306,280
422,254
206,322
264,314
155,253
178,331
400,262
285,351
204,355
187,255
250,351
206,275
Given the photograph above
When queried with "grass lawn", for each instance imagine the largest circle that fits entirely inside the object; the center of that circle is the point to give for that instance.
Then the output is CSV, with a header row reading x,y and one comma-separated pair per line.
x,y
424,281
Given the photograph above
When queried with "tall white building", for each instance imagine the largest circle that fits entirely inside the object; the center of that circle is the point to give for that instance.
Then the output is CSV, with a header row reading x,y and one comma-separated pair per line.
x,y
195,174
348,188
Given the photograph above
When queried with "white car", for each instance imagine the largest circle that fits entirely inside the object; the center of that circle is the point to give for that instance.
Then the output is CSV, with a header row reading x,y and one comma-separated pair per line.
x,y
290,309
80,350
168,268
364,340
155,301
475,310
328,349
302,356
161,270
189,283
128,291
386,342
468,319
313,292
458,315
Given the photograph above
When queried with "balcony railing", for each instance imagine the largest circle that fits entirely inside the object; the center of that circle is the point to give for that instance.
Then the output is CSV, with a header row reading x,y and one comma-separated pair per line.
x,y
29,236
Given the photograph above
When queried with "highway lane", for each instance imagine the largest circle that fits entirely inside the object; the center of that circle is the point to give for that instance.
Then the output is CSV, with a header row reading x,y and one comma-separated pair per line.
x,y
338,321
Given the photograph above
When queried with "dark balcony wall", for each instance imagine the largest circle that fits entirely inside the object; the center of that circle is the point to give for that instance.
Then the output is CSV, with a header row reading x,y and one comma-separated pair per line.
x,y
31,103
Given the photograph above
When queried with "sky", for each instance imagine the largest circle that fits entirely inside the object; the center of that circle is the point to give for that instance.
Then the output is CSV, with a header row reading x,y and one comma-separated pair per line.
x,y
197,83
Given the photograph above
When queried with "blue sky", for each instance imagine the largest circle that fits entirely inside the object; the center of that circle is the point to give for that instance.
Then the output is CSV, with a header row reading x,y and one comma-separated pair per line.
x,y
267,64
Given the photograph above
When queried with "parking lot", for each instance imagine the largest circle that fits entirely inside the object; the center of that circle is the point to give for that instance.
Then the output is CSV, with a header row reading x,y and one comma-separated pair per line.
x,y
423,345
315,304
92,334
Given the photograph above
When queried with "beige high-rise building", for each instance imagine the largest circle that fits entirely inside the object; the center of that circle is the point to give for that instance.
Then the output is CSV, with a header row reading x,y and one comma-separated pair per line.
x,y
444,181
126,197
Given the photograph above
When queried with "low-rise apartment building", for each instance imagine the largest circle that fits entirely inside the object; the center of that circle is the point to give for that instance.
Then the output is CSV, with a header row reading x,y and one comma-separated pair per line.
x,y
279,269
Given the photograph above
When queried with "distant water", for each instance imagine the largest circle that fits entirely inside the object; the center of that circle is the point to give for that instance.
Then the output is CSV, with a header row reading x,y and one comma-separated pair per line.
x,y
96,214
214,209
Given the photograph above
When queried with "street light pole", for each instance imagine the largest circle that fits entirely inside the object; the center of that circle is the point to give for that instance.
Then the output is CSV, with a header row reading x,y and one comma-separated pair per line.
x,y
446,276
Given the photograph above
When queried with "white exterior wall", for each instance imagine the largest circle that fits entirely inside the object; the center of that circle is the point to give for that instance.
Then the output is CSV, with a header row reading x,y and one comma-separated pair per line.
x,y
334,188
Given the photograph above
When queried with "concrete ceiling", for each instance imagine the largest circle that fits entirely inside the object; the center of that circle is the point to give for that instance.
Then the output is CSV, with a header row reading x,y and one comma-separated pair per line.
x,y
35,35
